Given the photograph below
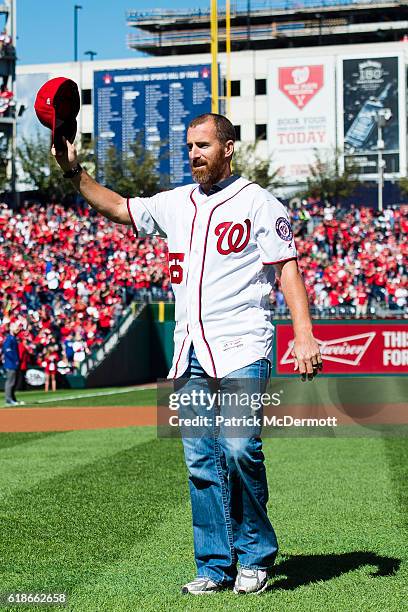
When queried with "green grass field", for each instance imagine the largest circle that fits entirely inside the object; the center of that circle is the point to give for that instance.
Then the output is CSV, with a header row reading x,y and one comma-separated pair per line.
x,y
104,515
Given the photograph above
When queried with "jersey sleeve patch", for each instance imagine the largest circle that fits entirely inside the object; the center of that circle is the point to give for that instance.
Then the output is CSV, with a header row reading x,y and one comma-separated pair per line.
x,y
283,229
273,232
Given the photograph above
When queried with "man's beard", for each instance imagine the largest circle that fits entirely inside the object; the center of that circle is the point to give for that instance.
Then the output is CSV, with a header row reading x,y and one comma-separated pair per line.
x,y
211,172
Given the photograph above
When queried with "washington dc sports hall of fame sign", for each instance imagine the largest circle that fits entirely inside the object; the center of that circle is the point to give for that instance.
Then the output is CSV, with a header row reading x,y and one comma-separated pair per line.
x,y
155,106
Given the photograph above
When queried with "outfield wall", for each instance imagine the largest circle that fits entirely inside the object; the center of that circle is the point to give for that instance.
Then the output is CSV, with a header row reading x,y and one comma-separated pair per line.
x,y
352,347
143,354
349,348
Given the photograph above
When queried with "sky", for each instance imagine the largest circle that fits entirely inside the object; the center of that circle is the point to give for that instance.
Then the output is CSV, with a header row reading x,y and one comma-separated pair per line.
x,y
45,29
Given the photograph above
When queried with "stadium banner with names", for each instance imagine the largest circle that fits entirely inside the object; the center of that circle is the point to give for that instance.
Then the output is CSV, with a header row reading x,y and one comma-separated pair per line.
x,y
351,348
370,86
301,114
154,105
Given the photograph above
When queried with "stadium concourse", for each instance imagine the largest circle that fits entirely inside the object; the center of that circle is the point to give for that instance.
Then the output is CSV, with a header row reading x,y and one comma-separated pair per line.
x,y
67,274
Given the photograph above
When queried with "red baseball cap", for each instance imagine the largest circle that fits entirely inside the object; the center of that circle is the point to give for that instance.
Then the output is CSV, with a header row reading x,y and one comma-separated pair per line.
x,y
57,105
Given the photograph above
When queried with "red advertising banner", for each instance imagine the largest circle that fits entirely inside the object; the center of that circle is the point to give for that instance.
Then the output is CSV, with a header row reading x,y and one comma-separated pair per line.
x,y
361,348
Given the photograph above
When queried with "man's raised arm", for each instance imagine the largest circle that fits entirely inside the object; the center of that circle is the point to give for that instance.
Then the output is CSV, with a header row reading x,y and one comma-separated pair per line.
x,y
105,201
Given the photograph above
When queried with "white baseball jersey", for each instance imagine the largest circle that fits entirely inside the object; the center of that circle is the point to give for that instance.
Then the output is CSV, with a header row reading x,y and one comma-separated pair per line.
x,y
219,246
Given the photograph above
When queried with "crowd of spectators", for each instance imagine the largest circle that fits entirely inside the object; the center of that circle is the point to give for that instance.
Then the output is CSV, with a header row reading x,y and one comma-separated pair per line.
x,y
353,261
67,274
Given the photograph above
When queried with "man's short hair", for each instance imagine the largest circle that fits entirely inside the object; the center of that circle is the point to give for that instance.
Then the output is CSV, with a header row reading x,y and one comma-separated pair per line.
x,y
223,127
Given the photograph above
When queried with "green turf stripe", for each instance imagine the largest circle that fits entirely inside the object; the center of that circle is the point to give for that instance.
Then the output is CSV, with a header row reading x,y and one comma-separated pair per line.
x,y
28,465
73,525
8,440
116,533
152,571
32,397
327,391
328,499
147,397
342,391
397,456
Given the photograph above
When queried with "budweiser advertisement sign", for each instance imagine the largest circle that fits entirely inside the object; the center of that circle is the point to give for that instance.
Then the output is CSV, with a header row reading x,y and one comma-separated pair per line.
x,y
363,348
301,83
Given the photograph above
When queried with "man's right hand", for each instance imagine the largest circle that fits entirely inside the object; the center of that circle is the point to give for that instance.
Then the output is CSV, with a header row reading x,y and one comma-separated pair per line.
x,y
67,157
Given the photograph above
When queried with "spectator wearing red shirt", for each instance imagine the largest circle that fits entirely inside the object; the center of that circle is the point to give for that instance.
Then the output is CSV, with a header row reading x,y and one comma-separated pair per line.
x,y
24,353
361,301
49,364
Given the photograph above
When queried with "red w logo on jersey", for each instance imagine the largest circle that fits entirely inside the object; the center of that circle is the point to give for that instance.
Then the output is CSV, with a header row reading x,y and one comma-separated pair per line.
x,y
232,238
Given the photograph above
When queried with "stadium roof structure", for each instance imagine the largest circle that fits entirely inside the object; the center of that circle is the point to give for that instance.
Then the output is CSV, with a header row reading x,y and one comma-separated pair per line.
x,y
269,24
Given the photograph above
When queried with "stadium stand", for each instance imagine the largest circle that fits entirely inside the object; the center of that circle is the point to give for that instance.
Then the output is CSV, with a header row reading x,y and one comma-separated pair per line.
x,y
354,261
68,274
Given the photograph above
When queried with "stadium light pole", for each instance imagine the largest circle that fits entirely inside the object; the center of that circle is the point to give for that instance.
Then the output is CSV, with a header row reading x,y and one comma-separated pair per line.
x,y
228,53
248,24
381,117
91,55
214,57
77,7
16,195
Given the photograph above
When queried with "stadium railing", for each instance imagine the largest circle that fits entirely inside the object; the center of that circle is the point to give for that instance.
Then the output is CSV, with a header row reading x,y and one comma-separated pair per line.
x,y
240,7
345,312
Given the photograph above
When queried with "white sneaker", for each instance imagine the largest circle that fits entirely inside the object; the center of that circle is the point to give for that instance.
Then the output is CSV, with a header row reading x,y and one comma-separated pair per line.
x,y
250,581
201,586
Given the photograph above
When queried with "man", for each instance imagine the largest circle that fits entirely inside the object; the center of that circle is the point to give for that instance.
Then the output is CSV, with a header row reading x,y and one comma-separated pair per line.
x,y
225,237
11,363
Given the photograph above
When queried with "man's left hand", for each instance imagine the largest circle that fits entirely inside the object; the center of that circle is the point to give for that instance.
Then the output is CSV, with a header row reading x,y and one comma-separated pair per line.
x,y
306,354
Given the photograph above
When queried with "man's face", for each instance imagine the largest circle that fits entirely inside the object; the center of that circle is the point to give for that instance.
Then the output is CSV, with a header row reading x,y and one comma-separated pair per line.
x,y
209,158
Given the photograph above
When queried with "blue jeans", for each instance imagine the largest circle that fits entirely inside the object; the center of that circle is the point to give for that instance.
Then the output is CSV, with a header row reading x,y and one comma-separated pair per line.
x,y
227,478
